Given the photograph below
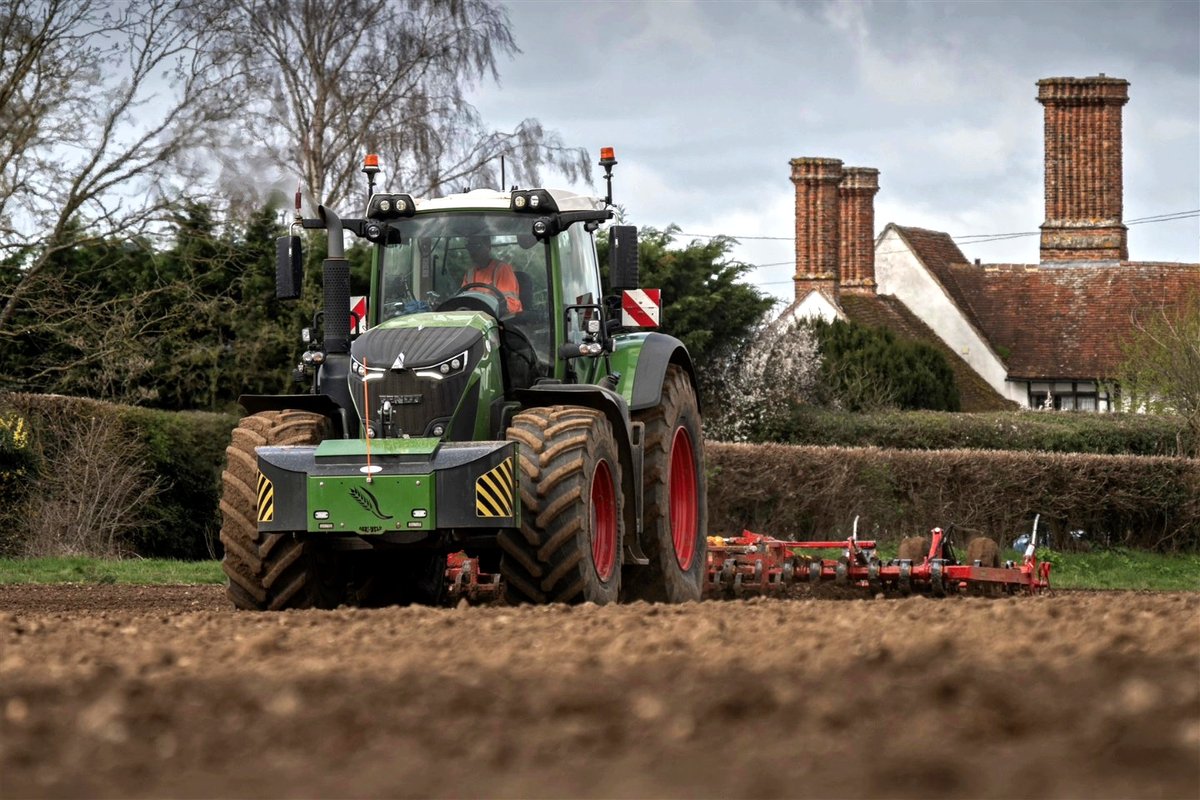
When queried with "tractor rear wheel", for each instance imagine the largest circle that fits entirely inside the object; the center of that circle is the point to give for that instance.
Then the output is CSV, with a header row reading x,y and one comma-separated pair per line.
x,y
675,507
569,546
269,571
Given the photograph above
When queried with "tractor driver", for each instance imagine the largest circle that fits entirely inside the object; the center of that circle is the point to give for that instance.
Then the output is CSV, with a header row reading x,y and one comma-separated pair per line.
x,y
492,272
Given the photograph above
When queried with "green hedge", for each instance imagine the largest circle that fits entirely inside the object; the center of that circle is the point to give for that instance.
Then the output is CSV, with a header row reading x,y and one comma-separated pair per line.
x,y
805,492
184,450
1050,431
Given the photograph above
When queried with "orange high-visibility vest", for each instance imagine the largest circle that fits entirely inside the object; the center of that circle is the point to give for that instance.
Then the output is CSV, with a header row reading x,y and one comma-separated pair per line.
x,y
500,275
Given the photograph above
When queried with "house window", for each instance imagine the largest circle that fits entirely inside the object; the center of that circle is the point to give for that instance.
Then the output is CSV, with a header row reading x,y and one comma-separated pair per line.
x,y
1067,396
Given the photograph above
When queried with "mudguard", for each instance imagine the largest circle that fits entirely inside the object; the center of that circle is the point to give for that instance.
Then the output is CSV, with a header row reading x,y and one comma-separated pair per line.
x,y
657,352
333,402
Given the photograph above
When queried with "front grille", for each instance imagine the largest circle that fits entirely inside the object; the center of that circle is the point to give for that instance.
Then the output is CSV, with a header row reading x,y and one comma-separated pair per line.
x,y
416,403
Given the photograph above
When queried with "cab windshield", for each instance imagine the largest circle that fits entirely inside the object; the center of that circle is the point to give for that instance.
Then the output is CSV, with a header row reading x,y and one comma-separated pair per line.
x,y
493,256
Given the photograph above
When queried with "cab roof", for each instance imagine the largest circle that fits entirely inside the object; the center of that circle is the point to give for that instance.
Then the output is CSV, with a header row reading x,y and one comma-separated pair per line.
x,y
489,199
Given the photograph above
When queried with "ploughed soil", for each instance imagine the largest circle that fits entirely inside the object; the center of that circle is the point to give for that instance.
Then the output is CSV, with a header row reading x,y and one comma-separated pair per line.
x,y
164,691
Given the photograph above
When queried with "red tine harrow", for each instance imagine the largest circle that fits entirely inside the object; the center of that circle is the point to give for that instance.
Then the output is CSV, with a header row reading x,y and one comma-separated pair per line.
x,y
756,564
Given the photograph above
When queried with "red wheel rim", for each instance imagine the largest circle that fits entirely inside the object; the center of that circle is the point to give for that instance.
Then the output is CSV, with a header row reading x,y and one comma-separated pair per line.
x,y
604,521
683,498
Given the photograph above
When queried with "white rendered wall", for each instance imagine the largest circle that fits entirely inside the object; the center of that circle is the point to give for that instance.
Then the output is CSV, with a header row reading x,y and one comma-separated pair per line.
x,y
899,272
815,305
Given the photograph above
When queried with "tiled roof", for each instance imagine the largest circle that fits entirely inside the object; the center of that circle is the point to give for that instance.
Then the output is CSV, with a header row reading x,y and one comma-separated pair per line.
x,y
1064,321
886,311
1052,321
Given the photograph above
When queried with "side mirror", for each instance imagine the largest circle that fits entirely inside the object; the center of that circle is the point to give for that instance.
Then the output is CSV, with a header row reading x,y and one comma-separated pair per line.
x,y
623,257
289,267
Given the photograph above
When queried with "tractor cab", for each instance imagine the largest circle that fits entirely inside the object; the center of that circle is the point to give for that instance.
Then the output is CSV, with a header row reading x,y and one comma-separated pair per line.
x,y
471,252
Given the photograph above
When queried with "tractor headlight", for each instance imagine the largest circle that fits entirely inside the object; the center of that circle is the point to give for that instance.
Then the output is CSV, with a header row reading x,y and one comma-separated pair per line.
x,y
364,373
445,369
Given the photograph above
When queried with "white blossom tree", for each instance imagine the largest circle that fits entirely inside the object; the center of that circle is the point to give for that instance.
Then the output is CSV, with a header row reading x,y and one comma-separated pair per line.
x,y
752,390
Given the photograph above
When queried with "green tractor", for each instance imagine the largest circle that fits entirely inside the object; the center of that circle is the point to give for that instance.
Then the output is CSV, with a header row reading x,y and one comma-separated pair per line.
x,y
496,402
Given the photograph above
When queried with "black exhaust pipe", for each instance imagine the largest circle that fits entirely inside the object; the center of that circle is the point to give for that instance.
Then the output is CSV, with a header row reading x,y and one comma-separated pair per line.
x,y
336,284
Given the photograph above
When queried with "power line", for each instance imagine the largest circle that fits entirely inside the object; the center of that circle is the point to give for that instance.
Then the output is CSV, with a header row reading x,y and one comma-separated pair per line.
x,y
977,238
1177,215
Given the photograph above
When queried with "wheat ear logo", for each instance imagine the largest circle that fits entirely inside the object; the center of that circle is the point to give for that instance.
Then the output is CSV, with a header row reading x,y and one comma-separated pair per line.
x,y
368,502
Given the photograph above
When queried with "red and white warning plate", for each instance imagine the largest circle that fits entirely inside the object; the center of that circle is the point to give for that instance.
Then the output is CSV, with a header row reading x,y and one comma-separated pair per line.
x,y
641,308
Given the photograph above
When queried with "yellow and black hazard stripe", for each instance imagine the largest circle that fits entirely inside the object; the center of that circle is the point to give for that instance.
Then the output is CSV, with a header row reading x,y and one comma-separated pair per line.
x,y
266,499
494,492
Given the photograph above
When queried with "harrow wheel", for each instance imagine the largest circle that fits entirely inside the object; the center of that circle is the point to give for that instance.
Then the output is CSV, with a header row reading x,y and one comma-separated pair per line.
x,y
569,547
270,571
675,508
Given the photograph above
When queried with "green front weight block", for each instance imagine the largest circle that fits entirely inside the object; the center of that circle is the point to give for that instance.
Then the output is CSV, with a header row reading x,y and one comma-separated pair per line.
x,y
409,485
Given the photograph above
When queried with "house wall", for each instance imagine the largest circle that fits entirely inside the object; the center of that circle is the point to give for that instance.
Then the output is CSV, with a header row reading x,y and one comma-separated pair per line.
x,y
815,305
900,273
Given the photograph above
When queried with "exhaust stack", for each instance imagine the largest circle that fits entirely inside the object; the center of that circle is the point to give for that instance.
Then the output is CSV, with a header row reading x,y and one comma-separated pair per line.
x,y
336,284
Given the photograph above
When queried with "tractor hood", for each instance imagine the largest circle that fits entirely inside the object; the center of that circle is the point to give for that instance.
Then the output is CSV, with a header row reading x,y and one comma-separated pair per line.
x,y
421,340
419,369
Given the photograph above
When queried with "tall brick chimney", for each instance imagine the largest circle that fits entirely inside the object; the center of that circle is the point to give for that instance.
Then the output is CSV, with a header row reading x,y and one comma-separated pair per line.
x,y
817,225
856,213
1083,169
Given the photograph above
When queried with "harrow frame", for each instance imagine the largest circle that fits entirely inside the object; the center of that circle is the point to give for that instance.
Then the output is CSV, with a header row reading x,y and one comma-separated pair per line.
x,y
757,564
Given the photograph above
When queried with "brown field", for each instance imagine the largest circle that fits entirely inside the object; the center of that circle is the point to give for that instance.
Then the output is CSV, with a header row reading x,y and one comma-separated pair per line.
x,y
163,691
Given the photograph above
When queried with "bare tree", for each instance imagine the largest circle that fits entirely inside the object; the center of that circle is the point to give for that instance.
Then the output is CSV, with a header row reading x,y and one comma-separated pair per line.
x,y
324,82
1161,371
100,105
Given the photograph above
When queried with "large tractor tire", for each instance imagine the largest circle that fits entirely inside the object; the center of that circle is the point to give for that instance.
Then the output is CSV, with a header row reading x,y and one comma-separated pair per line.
x,y
269,571
675,505
569,546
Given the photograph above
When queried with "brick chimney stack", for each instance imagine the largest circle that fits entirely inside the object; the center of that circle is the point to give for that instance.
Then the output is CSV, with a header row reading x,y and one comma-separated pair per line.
x,y
817,225
856,212
1083,169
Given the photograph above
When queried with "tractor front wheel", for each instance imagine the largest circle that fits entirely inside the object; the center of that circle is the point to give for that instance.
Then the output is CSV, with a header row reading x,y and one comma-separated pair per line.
x,y
569,546
269,571
675,507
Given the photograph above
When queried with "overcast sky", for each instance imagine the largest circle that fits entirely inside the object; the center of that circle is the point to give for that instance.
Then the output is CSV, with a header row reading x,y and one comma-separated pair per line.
x,y
706,102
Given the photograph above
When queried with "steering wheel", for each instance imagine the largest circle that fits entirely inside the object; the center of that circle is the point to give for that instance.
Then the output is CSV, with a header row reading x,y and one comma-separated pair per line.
x,y
487,287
